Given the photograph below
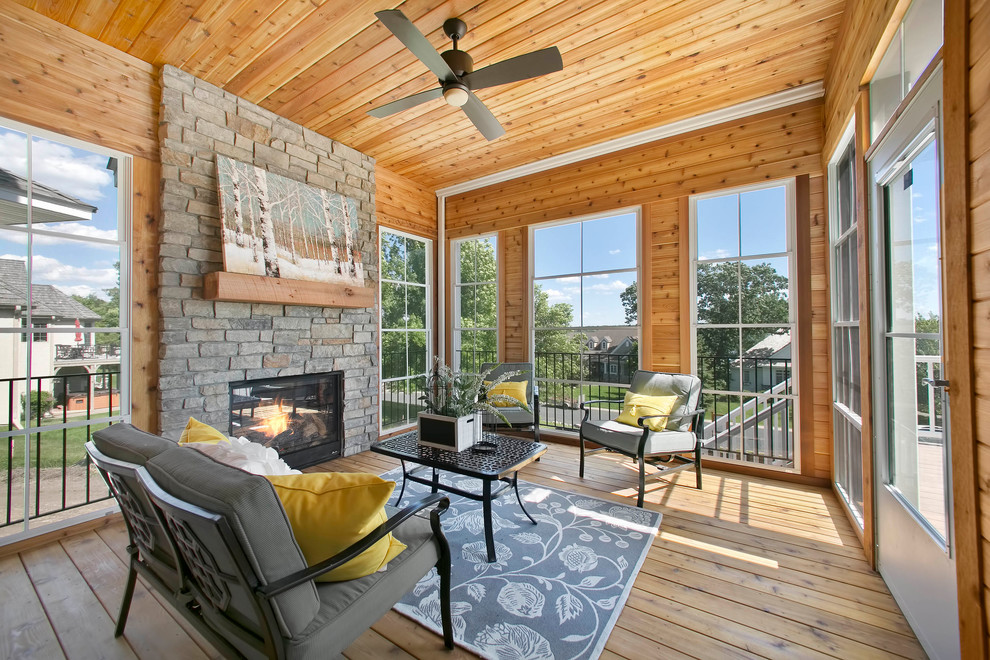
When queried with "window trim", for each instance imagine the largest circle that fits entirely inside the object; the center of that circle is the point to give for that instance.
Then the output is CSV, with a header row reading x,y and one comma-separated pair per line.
x,y
637,212
124,243
428,322
455,305
790,218
837,238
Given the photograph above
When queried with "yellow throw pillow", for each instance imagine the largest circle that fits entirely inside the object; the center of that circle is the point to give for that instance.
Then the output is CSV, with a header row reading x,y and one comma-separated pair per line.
x,y
328,511
197,431
642,405
517,390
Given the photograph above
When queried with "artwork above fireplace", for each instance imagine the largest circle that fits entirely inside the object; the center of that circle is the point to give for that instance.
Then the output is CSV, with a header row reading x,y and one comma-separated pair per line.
x,y
300,417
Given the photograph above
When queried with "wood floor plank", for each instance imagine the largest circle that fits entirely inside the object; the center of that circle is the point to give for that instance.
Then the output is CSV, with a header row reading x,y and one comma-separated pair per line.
x,y
372,646
116,539
796,587
747,567
151,631
23,622
805,615
83,627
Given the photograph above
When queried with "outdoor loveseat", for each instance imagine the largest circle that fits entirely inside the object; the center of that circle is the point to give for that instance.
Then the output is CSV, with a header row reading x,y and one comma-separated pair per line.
x,y
215,541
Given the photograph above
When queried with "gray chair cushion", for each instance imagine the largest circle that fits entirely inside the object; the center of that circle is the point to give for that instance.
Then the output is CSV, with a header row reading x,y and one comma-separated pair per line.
x,y
255,513
129,443
624,437
685,386
348,608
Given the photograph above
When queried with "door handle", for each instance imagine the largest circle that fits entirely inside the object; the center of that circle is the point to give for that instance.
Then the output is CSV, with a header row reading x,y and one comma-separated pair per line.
x,y
936,382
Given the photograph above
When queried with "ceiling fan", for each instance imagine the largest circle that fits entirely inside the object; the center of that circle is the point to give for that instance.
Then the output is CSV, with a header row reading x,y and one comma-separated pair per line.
x,y
455,70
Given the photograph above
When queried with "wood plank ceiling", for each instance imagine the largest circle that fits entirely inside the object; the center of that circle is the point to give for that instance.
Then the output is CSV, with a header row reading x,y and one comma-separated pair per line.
x,y
629,65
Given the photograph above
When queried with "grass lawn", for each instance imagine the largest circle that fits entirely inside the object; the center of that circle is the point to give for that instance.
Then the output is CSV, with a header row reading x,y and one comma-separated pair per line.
x,y
51,446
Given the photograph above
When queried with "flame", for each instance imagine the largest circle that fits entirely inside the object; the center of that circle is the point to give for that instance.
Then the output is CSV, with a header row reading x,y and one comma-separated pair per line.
x,y
275,425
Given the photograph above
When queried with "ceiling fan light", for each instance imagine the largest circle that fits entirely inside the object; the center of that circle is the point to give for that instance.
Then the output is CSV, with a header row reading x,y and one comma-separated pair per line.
x,y
455,95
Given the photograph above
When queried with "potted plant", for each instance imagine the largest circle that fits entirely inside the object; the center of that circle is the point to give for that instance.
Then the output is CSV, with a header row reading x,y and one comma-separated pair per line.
x,y
453,400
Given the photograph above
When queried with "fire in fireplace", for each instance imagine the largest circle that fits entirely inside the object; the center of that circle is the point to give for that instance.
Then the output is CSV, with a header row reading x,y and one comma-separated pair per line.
x,y
300,417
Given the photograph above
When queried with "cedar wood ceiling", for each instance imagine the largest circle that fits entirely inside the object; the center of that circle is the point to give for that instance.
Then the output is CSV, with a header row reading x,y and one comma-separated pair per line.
x,y
629,65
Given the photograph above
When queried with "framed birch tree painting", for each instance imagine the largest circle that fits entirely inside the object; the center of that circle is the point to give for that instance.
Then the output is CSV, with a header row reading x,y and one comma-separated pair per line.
x,y
279,227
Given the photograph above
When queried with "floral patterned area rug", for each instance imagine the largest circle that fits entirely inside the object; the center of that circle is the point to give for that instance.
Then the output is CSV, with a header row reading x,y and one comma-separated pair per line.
x,y
556,588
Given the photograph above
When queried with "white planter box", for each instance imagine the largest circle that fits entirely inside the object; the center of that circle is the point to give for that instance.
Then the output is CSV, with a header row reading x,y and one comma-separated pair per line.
x,y
451,433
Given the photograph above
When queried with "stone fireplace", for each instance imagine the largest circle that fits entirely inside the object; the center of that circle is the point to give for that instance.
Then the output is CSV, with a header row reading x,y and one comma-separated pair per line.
x,y
208,346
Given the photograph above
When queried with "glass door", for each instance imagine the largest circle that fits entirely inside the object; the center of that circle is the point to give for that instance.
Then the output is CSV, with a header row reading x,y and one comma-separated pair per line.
x,y
913,503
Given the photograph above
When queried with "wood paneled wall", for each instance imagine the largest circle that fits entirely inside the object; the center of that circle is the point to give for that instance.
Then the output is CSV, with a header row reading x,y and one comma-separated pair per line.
x,y
867,27
404,205
61,80
968,74
659,178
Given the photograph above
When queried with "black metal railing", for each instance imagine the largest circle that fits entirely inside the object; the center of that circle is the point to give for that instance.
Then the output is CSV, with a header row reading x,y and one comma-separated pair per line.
x,y
85,352
749,408
46,430
566,379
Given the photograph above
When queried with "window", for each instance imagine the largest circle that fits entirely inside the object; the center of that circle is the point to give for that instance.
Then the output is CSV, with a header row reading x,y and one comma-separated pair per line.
x,y
584,286
916,42
405,325
63,241
475,303
847,422
742,321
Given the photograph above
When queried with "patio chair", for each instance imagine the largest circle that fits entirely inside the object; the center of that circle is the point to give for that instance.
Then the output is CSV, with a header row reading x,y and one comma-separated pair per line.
x,y
517,416
666,448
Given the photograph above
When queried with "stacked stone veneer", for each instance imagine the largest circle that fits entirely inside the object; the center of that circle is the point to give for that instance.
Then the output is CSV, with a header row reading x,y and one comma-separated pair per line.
x,y
205,344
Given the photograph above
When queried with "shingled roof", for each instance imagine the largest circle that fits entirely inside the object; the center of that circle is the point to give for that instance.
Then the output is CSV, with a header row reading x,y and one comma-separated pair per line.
x,y
47,300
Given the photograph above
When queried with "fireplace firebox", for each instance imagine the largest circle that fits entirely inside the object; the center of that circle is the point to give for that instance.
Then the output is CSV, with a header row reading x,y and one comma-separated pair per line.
x,y
301,417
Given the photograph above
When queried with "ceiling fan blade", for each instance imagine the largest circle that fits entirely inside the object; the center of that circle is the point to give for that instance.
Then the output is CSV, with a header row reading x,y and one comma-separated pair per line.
x,y
414,40
406,103
530,65
482,118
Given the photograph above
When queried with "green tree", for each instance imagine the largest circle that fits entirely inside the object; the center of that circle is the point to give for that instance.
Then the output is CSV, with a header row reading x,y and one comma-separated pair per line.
x,y
109,311
557,350
630,303
720,285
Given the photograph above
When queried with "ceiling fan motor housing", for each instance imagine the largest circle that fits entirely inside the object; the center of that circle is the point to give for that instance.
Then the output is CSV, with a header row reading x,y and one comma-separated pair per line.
x,y
458,61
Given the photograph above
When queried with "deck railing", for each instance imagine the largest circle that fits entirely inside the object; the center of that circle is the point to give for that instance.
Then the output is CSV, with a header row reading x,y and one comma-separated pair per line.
x,y
45,467
86,352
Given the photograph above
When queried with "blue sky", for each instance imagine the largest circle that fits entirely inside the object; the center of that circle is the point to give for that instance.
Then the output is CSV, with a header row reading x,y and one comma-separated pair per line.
x,y
75,267
603,244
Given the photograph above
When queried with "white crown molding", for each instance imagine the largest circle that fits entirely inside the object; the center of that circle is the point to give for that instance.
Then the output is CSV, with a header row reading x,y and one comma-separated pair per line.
x,y
772,102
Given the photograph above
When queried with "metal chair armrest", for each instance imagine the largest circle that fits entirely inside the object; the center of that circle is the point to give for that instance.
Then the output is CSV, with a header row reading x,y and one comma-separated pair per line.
x,y
352,551
587,410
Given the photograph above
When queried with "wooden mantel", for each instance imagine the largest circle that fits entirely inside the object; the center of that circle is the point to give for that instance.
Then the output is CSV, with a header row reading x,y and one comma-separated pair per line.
x,y
237,287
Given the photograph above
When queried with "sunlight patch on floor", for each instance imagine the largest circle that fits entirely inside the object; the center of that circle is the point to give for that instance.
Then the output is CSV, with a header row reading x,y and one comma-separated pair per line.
x,y
726,552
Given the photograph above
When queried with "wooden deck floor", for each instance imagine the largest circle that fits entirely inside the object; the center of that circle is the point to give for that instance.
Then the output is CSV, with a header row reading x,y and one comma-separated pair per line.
x,y
748,567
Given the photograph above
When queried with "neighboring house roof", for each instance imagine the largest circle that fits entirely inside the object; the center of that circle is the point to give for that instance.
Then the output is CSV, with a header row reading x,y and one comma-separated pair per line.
x,y
770,345
47,300
48,204
624,347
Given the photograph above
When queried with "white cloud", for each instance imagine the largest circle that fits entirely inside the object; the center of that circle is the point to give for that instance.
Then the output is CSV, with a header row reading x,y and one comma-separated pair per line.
x,y
614,252
614,285
57,166
69,279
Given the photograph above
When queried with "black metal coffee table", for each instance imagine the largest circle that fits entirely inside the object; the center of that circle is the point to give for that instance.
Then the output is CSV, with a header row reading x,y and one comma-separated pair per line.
x,y
502,463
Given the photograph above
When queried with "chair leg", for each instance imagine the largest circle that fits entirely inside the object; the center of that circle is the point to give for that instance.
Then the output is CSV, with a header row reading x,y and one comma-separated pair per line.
x,y
443,569
642,481
581,468
125,604
697,464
